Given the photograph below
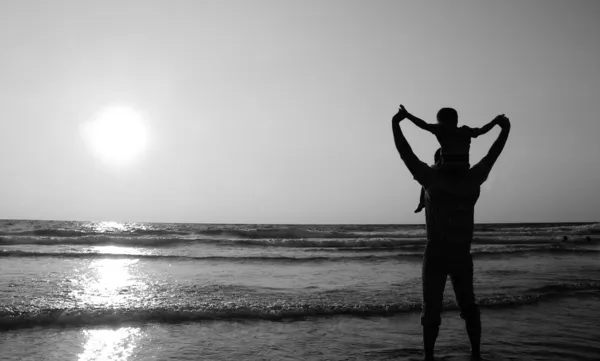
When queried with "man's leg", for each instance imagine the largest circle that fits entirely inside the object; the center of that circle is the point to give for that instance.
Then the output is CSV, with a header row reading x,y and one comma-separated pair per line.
x,y
461,275
434,281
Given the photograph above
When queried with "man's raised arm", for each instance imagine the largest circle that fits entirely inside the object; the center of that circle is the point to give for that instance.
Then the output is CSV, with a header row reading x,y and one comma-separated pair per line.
x,y
485,165
418,169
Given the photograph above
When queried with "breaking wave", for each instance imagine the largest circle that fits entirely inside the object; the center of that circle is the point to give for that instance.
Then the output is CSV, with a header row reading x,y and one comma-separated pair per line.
x,y
370,243
12,317
412,254
73,230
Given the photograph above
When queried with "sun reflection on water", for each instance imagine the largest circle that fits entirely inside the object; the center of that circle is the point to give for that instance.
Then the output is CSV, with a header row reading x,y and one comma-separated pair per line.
x,y
110,344
109,227
108,282
113,273
118,250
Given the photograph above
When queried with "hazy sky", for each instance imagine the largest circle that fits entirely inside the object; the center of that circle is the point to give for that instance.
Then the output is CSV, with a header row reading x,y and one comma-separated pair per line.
x,y
279,111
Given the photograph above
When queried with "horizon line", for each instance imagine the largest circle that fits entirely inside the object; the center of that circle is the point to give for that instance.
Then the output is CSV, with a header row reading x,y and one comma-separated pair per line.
x,y
289,224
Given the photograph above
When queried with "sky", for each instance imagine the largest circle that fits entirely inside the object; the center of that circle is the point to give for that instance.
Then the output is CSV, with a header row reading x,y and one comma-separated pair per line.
x,y
280,111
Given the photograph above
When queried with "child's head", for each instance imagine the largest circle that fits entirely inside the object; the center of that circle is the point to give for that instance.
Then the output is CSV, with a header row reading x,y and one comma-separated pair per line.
x,y
448,116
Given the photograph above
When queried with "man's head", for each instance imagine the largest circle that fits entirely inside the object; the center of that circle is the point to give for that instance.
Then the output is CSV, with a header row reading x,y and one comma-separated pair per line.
x,y
448,116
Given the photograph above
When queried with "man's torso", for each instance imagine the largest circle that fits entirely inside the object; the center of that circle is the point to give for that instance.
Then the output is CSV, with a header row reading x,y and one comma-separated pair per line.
x,y
449,210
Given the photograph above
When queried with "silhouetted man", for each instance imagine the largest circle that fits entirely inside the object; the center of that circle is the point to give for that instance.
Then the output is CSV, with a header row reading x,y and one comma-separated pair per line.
x,y
450,198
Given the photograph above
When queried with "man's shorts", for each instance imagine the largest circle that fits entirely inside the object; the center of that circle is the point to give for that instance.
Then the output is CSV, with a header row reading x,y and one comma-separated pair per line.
x,y
438,264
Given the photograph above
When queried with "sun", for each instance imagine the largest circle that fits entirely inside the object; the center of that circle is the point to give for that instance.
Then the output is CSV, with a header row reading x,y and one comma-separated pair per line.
x,y
117,134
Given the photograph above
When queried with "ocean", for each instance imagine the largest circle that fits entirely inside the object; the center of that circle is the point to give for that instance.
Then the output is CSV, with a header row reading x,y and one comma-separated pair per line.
x,y
148,291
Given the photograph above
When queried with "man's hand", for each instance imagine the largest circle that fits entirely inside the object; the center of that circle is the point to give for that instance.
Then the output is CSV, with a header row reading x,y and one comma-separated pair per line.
x,y
401,115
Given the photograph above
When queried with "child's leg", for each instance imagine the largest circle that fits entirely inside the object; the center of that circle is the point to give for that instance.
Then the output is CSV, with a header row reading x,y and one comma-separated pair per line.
x,y
421,201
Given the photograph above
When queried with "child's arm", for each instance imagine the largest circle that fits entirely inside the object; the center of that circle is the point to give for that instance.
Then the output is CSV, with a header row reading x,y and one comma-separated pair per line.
x,y
475,132
419,122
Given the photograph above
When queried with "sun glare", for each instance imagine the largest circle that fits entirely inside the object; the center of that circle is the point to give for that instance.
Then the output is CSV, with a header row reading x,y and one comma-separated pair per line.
x,y
116,134
110,344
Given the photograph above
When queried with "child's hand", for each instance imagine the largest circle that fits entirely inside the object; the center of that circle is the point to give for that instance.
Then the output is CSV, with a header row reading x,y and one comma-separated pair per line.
x,y
502,121
401,115
498,118
403,109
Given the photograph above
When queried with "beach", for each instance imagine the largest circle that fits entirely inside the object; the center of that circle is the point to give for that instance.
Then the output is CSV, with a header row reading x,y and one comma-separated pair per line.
x,y
138,291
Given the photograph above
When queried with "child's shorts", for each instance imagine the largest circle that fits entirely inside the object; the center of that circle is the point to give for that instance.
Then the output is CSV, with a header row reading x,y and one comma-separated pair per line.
x,y
455,166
